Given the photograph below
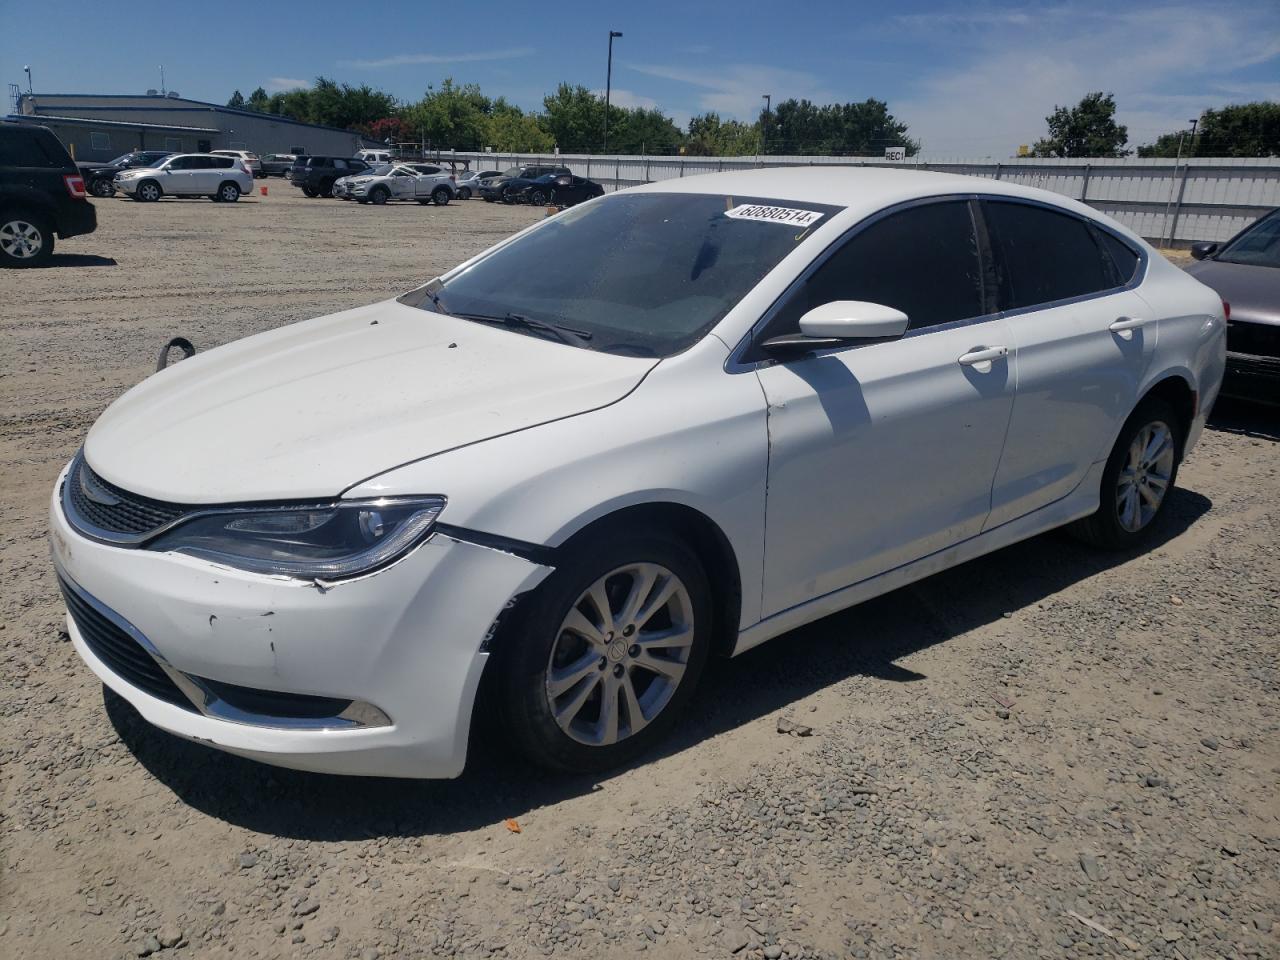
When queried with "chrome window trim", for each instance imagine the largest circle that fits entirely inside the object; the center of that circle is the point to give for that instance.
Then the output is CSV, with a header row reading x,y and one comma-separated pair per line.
x,y
735,362
357,714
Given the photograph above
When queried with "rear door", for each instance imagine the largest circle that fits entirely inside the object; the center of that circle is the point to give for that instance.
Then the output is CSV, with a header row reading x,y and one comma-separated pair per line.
x,y
884,452
1084,340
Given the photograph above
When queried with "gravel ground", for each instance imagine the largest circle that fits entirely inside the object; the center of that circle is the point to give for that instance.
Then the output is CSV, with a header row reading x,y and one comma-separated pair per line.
x,y
1046,753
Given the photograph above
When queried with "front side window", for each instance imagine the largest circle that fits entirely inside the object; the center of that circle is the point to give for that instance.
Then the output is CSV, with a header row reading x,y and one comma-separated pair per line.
x,y
640,274
178,163
923,261
1042,256
1259,246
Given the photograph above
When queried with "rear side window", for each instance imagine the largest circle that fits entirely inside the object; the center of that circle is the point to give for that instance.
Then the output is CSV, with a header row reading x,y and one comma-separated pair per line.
x,y
1123,257
223,162
922,261
1043,256
26,148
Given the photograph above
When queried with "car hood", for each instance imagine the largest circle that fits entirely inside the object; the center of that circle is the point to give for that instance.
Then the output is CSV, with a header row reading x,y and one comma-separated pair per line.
x,y
1253,292
307,410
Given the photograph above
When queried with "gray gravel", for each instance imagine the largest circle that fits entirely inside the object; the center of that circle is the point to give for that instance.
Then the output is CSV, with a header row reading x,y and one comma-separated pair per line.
x,y
1047,753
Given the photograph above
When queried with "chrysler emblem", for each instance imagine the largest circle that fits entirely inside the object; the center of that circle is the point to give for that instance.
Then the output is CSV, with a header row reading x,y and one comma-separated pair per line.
x,y
95,491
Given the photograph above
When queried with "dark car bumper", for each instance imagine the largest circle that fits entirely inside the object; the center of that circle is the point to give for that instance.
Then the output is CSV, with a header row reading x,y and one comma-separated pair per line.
x,y
76,217
1253,361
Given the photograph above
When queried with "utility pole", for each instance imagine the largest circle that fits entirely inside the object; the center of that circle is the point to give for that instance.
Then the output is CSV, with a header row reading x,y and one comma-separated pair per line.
x,y
608,89
162,89
30,91
764,118
1173,181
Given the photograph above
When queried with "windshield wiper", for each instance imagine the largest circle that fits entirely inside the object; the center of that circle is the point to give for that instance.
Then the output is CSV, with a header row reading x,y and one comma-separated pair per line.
x,y
560,332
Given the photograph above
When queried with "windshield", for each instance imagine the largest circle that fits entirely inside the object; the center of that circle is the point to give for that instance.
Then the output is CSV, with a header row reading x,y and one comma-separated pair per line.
x,y
644,274
381,170
1259,246
511,172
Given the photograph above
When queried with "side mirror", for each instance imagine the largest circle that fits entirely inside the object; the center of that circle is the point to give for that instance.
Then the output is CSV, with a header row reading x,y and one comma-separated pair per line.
x,y
841,321
1203,249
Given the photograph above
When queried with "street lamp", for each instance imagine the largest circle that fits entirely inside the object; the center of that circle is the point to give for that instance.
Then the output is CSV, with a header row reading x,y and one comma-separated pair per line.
x,y
768,103
608,89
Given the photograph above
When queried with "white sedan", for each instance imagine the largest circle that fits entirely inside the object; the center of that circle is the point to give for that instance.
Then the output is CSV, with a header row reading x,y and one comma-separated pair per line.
x,y
672,422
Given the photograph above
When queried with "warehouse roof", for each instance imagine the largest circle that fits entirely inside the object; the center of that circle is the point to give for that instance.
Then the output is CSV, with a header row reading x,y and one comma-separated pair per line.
x,y
41,117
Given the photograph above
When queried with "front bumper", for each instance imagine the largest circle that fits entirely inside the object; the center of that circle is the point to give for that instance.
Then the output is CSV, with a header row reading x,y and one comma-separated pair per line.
x,y
128,186
406,641
1252,377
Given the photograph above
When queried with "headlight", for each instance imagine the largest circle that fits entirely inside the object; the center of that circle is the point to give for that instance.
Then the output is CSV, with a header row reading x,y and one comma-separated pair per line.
x,y
317,541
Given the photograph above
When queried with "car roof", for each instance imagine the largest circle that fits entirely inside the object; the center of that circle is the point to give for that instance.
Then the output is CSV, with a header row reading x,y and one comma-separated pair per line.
x,y
856,188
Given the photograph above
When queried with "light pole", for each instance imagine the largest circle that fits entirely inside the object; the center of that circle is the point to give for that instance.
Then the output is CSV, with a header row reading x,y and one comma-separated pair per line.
x,y
764,118
608,89
1173,181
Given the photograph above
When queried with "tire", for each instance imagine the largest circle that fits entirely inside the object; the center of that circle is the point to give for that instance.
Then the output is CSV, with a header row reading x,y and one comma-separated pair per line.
x,y
26,239
148,191
440,196
542,643
1126,516
464,193
229,192
326,189
102,187
537,198
379,195
309,191
425,203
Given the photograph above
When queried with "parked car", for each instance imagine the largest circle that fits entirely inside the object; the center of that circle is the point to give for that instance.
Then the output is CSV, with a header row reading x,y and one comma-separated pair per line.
x,y
218,177
682,421
278,164
560,189
506,187
42,195
341,189
314,176
1245,271
375,156
469,182
100,178
402,182
250,161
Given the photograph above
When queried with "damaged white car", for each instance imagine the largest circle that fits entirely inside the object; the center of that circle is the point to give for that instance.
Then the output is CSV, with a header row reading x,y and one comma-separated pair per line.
x,y
673,422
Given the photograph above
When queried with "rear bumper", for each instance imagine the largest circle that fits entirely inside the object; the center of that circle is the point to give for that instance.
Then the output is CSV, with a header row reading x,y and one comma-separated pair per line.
x,y
76,217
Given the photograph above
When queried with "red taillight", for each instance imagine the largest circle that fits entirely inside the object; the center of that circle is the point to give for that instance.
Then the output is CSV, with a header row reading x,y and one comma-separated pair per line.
x,y
75,184
453,179
1226,310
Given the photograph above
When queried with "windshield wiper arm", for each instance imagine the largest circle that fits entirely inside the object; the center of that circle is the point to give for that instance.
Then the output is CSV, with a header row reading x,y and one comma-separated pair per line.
x,y
562,333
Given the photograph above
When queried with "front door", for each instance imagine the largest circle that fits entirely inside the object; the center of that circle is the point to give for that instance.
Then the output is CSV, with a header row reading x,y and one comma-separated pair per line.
x,y
1083,341
885,452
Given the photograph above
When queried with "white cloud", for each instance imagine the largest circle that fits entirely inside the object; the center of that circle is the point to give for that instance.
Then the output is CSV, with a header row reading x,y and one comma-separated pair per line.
x,y
405,59
737,90
1016,71
628,99
277,84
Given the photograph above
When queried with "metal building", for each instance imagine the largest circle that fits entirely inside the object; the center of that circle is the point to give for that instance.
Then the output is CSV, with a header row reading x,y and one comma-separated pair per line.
x,y
103,126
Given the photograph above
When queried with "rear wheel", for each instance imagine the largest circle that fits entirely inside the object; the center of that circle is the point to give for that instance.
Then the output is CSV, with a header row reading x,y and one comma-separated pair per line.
x,y
464,193
326,188
607,652
229,192
440,196
1138,478
26,239
309,191
148,191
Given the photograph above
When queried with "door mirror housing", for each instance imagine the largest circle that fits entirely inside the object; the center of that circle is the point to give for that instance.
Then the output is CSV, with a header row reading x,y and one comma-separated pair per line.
x,y
1203,249
841,322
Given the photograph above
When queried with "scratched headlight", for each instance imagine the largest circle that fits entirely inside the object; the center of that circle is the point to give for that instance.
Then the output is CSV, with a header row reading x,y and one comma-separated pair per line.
x,y
316,541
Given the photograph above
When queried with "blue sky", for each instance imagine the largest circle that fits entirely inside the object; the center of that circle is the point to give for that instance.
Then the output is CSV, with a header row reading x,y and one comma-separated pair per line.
x,y
971,79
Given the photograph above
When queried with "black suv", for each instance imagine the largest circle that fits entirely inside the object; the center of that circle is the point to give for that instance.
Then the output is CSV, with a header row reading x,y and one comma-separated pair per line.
x,y
99,178
315,175
41,194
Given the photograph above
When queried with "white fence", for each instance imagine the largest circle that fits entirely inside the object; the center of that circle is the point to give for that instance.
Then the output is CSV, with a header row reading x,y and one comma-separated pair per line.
x,y
1198,199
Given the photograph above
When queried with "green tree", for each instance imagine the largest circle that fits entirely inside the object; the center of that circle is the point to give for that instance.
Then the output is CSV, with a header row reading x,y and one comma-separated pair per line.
x,y
642,130
802,127
507,128
237,100
450,117
258,100
1088,129
710,136
1242,130
1166,145
574,116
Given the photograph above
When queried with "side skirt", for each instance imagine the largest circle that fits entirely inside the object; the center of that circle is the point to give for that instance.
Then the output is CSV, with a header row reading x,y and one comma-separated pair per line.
x,y
1079,503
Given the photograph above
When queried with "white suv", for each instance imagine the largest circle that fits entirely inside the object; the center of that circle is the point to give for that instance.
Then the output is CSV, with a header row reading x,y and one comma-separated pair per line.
x,y
217,177
374,157
252,162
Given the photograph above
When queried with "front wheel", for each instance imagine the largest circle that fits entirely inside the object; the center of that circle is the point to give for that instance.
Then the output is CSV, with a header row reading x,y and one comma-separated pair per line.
x,y
464,193
326,188
26,239
148,191
308,191
607,653
379,195
537,198
102,187
1138,478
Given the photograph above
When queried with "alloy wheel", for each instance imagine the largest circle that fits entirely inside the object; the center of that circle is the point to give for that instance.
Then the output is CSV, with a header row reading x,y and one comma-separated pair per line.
x,y
21,240
1145,476
620,653
149,191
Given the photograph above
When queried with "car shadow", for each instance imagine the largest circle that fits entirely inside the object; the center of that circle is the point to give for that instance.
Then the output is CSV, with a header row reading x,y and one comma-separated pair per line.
x,y
77,260
864,641
1246,418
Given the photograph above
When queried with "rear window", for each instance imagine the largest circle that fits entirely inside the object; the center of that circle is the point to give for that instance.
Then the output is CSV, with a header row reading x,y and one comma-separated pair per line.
x,y
29,148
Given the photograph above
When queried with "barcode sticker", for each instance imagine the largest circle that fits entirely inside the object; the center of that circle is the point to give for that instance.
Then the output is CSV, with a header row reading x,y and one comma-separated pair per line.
x,y
787,215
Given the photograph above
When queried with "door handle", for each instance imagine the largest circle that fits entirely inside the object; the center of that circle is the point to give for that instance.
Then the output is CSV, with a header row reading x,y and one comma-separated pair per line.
x,y
1126,325
981,360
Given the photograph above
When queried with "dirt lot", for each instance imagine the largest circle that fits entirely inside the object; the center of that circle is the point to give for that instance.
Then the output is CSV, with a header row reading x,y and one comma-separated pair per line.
x,y
1047,753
